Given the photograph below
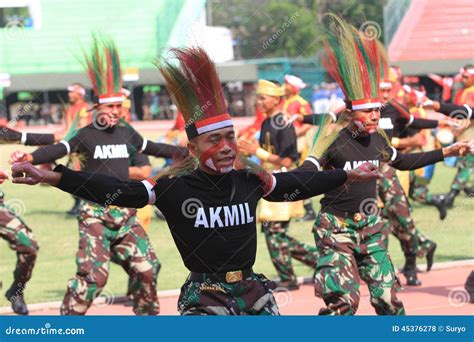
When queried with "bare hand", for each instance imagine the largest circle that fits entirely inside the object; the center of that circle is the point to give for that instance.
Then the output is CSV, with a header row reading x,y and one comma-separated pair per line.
x,y
461,148
19,156
364,173
247,147
25,173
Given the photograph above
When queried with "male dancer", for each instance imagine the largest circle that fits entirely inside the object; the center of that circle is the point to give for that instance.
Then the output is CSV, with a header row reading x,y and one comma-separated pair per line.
x,y
108,233
210,210
277,149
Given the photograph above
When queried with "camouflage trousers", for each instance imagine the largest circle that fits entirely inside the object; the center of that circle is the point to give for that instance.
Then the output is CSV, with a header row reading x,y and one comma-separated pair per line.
x,y
351,250
397,211
112,234
20,239
251,296
283,247
465,167
419,190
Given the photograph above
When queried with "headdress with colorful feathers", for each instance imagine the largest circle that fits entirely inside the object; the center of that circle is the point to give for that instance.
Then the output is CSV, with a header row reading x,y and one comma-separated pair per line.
x,y
353,61
196,90
102,64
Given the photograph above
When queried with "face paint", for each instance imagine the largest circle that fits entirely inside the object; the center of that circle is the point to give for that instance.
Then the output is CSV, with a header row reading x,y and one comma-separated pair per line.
x,y
366,124
207,157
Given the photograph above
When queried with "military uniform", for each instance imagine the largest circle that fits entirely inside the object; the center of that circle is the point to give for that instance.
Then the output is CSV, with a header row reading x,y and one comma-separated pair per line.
x,y
349,230
20,239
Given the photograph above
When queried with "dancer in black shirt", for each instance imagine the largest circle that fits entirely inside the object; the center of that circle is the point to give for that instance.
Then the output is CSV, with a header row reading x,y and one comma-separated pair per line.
x,y
348,230
210,209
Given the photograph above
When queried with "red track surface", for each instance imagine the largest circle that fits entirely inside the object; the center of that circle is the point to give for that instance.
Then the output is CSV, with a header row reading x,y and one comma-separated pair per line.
x,y
435,297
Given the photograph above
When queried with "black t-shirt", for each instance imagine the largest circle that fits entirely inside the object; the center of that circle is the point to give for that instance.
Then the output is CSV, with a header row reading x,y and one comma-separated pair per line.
x,y
140,159
280,135
105,151
212,218
348,153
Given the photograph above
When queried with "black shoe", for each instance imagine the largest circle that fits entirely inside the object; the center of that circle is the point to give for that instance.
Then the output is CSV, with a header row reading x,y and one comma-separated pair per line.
x,y
439,201
288,285
449,198
469,191
18,302
430,257
412,280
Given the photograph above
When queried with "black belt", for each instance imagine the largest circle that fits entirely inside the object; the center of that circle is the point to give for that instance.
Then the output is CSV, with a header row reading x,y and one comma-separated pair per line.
x,y
345,214
226,277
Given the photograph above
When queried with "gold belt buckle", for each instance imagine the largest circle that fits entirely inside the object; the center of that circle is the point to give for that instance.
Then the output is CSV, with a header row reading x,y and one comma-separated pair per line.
x,y
233,277
357,217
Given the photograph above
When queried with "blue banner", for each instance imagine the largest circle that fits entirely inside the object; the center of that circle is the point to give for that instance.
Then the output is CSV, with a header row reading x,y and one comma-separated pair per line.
x,y
242,329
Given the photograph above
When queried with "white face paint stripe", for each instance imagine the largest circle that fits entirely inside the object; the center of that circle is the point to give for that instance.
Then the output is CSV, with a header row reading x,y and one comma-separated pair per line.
x,y
366,106
68,147
274,183
151,192
394,155
214,126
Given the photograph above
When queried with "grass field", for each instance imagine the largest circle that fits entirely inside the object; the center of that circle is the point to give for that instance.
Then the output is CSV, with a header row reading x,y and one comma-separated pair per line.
x,y
43,208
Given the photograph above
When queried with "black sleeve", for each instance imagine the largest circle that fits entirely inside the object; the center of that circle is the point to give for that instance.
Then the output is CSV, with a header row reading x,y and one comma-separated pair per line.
x,y
298,185
50,153
10,135
458,112
413,161
140,159
287,147
158,150
317,119
164,150
418,123
36,139
103,189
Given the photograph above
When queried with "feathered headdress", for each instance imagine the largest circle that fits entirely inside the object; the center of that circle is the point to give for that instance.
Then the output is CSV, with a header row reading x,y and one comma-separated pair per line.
x,y
102,64
353,61
196,90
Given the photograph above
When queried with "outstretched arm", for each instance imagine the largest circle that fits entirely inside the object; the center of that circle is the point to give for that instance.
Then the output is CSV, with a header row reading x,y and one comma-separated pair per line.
x,y
34,139
98,188
308,181
413,161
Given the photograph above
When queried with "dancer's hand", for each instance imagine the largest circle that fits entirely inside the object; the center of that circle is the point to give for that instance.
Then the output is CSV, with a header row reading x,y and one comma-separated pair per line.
x,y
25,173
19,156
461,148
364,173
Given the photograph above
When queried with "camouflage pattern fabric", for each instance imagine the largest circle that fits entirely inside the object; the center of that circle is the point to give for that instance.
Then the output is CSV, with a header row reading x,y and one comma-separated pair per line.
x,y
20,239
251,296
349,251
465,167
112,234
283,247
